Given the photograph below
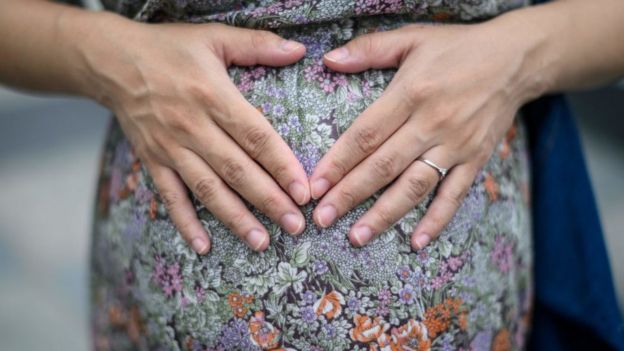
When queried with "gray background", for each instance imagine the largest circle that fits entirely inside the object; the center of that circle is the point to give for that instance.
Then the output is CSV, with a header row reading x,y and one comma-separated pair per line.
x,y
49,153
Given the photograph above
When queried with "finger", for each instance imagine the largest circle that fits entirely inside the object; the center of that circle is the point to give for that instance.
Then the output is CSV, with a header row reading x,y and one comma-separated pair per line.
x,y
404,194
179,207
248,47
247,178
374,50
221,201
446,202
370,175
256,136
361,139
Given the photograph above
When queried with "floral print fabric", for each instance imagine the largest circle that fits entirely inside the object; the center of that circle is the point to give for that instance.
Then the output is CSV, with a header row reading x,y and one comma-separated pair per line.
x,y
468,290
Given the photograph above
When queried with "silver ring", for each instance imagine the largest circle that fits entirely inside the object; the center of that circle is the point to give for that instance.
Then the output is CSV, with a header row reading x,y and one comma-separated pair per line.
x,y
441,171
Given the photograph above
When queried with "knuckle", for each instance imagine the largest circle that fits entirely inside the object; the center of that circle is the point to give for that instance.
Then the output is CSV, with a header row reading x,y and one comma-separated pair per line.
x,y
455,196
233,172
368,43
385,166
269,203
347,197
421,90
178,122
385,216
170,199
206,189
184,227
255,141
417,188
234,221
339,167
260,39
367,139
280,173
201,93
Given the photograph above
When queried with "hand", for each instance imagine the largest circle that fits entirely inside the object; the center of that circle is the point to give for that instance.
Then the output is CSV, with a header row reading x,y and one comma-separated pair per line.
x,y
455,94
169,88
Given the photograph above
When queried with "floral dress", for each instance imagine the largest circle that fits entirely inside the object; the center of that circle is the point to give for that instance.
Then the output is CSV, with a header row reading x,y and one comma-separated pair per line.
x,y
470,289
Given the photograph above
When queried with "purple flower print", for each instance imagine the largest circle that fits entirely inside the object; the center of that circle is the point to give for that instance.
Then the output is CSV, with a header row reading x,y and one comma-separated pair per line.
x,y
278,110
502,254
354,304
407,295
384,295
329,330
168,277
404,272
309,156
266,107
308,315
382,310
309,297
375,7
328,80
482,341
235,336
320,267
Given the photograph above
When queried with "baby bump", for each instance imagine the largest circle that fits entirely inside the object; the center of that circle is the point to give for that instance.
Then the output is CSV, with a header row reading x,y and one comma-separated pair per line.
x,y
470,288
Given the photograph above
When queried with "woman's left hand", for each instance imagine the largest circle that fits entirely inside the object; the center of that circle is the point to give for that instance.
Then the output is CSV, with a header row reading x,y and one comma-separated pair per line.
x,y
455,94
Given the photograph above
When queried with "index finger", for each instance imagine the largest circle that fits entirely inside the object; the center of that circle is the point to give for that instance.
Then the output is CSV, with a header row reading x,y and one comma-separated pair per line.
x,y
371,129
255,134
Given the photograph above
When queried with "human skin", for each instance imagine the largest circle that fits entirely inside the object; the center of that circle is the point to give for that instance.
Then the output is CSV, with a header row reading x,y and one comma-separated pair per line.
x,y
452,116
455,94
168,86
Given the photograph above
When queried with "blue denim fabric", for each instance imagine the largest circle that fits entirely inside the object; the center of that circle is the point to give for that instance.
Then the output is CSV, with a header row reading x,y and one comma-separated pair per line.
x,y
575,303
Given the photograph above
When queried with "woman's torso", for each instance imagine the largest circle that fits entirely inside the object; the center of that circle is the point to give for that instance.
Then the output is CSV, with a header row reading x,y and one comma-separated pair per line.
x,y
469,289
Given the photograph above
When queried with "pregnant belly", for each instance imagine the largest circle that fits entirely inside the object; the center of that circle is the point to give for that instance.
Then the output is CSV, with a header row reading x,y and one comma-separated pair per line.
x,y
314,291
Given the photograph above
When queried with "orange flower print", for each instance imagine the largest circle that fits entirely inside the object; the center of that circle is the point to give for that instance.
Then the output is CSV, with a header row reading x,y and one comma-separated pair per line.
x,y
501,341
240,311
262,333
329,305
153,209
438,318
367,329
237,301
491,187
248,298
412,336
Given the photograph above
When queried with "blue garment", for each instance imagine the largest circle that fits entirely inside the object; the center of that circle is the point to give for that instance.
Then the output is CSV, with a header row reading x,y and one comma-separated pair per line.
x,y
575,303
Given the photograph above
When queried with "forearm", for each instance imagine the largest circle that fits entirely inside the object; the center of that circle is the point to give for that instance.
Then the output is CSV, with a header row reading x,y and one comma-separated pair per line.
x,y
574,44
42,45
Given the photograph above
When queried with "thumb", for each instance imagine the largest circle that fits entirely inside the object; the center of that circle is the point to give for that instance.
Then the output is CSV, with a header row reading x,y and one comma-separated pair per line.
x,y
248,47
374,50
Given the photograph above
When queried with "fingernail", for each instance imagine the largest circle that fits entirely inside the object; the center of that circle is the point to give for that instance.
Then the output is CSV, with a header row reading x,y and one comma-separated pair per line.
x,y
362,234
256,239
337,54
199,245
422,240
326,215
292,223
298,192
319,187
290,45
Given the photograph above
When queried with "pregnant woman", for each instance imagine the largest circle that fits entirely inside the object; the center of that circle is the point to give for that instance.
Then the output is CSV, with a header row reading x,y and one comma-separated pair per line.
x,y
312,175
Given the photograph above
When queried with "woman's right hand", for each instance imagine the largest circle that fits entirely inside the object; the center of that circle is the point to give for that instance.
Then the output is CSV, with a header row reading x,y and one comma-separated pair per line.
x,y
169,88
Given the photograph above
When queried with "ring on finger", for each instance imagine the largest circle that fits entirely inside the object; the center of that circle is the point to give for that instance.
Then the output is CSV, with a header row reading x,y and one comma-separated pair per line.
x,y
441,170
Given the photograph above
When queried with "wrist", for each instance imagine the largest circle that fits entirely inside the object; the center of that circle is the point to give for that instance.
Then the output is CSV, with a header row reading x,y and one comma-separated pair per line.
x,y
536,48
87,41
